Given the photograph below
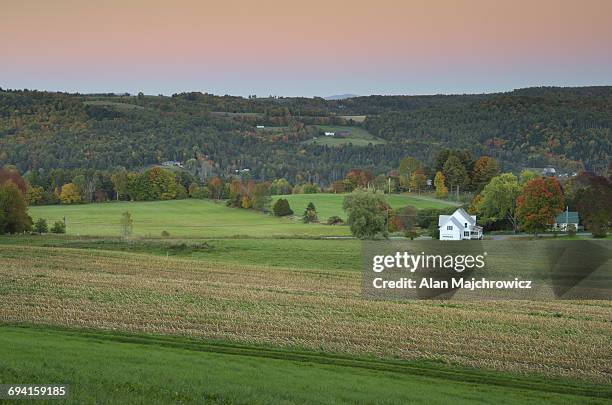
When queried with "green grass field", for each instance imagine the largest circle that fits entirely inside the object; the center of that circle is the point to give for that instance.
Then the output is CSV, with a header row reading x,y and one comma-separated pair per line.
x,y
358,137
331,204
276,317
208,219
356,118
312,254
181,218
111,368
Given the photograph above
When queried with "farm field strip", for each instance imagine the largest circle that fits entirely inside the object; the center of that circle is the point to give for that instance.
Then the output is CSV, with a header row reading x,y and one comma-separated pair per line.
x,y
153,367
424,373
291,308
318,254
358,136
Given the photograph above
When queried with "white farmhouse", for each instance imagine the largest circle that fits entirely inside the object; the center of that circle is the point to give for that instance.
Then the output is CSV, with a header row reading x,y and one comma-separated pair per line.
x,y
459,226
329,133
565,220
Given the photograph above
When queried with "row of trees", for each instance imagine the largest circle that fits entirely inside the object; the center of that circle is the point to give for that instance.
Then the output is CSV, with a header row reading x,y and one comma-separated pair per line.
x,y
452,169
531,203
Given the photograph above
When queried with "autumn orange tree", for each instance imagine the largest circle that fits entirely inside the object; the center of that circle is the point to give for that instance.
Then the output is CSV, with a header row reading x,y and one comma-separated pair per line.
x,y
539,203
485,169
418,180
441,189
356,178
215,185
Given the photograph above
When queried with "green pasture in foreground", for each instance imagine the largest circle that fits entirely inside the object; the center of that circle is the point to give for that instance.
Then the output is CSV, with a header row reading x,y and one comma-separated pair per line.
x,y
328,205
358,136
181,218
101,367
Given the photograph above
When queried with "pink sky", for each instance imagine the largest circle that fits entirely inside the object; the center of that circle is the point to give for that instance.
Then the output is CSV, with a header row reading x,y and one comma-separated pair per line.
x,y
304,48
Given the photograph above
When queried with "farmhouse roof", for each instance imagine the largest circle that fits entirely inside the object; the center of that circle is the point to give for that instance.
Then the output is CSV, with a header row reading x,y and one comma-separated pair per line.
x,y
442,219
570,217
468,218
459,218
458,224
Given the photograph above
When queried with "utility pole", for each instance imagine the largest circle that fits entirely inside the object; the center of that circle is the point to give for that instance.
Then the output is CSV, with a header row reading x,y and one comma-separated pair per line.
x,y
387,219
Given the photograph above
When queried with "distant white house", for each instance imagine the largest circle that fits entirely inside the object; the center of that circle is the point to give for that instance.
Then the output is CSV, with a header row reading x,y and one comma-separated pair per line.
x,y
260,126
172,163
327,133
459,226
566,219
547,171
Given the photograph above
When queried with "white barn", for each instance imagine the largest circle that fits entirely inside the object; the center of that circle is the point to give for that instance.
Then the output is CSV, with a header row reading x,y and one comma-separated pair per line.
x,y
459,226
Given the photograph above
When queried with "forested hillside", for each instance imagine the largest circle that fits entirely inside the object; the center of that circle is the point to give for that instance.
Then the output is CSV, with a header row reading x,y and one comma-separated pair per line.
x,y
565,127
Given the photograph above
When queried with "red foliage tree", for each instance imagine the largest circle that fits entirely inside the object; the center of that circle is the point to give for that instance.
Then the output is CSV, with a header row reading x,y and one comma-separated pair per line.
x,y
540,202
14,176
359,178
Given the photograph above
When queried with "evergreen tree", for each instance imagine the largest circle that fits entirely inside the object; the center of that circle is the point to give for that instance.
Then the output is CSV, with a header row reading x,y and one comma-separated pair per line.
x,y
58,227
41,226
310,214
281,208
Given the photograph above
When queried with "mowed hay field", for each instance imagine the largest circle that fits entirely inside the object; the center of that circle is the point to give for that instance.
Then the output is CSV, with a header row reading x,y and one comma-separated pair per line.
x,y
358,136
319,310
180,218
152,369
328,205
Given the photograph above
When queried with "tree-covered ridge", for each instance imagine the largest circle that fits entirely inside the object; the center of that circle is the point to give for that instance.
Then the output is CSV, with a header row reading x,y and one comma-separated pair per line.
x,y
566,127
561,129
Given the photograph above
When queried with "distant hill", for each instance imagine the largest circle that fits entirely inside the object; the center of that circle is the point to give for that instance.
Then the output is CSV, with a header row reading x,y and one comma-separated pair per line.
x,y
568,128
341,97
